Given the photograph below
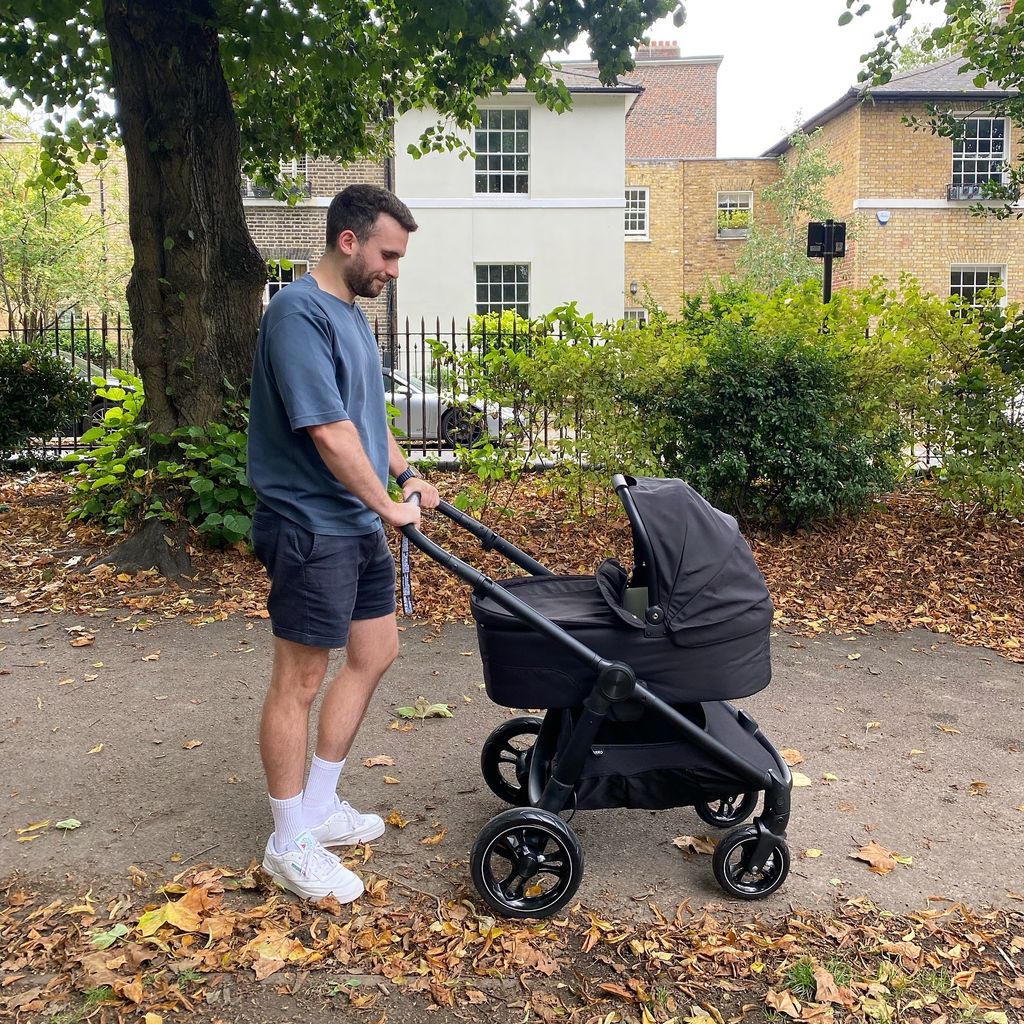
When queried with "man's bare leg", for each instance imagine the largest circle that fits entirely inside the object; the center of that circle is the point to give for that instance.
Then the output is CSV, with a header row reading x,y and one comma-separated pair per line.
x,y
372,647
295,680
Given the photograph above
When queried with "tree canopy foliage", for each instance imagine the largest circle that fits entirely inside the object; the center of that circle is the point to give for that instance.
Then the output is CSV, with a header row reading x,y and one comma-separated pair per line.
x,y
197,90
776,254
317,77
57,252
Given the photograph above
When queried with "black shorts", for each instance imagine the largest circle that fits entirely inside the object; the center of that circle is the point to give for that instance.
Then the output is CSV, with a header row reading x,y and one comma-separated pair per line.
x,y
319,583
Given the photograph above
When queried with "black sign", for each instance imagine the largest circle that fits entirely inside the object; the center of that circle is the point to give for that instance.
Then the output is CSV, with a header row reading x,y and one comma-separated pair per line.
x,y
826,238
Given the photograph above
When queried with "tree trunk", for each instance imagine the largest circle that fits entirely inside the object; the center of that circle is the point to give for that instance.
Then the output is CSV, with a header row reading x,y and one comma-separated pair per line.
x,y
194,293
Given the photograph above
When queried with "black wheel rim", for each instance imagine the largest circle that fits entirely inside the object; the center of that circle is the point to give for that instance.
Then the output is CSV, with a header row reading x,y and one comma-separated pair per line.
x,y
728,810
752,883
528,868
462,429
511,762
505,761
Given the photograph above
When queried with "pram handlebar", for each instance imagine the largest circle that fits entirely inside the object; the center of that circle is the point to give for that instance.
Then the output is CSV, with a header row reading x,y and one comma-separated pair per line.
x,y
643,553
483,584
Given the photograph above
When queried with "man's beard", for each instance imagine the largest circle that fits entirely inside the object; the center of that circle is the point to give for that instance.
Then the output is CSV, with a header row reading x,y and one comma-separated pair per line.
x,y
361,283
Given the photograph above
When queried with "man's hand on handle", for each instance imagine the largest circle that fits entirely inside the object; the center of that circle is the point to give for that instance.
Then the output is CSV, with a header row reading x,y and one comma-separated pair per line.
x,y
407,513
429,497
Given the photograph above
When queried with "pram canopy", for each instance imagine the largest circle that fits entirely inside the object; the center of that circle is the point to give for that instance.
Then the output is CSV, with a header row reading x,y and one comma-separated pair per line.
x,y
703,635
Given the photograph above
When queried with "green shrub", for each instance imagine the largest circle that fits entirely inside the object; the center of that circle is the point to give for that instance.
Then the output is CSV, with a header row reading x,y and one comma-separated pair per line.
x,y
758,404
41,396
201,474
763,426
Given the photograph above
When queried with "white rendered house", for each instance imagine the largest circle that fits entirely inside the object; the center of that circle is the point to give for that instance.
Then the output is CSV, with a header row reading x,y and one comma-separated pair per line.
x,y
535,221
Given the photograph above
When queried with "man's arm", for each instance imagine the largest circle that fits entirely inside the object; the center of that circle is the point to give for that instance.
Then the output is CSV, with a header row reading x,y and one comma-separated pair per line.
x,y
398,464
342,451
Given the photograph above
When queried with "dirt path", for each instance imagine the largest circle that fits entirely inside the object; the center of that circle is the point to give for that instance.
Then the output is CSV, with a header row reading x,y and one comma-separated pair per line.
x,y
907,740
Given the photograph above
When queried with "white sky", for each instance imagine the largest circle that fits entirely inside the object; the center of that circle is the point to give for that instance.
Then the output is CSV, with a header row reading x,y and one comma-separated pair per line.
x,y
784,60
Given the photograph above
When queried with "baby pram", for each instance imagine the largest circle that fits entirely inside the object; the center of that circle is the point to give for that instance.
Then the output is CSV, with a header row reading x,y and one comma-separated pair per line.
x,y
634,672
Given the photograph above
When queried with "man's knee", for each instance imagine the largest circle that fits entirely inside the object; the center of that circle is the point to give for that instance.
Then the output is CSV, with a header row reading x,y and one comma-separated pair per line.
x,y
298,670
373,647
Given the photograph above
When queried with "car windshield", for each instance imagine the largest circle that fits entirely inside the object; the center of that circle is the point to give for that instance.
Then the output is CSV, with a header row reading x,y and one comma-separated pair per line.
x,y
398,382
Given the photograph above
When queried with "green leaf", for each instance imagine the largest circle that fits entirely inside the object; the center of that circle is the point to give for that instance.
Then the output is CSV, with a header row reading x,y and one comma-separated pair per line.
x,y
104,940
68,824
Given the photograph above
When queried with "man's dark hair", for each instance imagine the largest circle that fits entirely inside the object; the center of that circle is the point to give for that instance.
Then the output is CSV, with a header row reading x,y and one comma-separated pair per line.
x,y
357,208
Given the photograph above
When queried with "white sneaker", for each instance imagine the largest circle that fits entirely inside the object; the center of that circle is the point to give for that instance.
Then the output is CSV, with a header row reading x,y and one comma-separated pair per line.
x,y
311,872
346,826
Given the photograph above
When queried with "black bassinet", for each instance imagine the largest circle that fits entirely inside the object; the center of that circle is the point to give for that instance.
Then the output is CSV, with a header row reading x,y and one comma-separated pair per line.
x,y
693,622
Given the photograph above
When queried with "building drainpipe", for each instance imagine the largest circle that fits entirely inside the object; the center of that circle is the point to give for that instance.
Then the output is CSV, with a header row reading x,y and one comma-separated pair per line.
x,y
392,292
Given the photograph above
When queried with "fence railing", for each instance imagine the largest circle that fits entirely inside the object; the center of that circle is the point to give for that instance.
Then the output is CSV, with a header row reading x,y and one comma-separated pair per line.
x,y
435,411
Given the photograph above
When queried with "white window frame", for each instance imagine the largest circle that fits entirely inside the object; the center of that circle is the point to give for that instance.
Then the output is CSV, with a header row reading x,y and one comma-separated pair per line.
x,y
519,305
969,172
733,199
637,217
293,168
635,316
276,274
978,268
496,164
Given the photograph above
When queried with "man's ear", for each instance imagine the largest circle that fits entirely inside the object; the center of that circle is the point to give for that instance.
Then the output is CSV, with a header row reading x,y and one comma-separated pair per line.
x,y
347,241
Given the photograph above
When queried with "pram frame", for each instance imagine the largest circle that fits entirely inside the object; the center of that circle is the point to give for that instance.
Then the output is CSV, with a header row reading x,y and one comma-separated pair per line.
x,y
615,681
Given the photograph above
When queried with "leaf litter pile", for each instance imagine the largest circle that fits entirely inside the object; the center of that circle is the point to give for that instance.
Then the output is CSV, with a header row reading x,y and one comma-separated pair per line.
x,y
172,951
187,947
902,564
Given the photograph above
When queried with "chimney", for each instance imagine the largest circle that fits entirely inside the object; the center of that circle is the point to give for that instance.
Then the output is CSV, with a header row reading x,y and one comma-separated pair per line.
x,y
663,50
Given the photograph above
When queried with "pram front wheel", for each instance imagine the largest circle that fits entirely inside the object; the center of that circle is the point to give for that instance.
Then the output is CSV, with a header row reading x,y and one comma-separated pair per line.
x,y
729,810
527,863
745,868
505,758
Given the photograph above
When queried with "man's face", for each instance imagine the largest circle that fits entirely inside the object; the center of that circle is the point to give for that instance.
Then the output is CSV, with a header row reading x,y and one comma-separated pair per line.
x,y
374,262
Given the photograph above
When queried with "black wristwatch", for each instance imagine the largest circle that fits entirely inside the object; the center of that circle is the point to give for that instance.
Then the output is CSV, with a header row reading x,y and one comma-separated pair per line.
x,y
405,476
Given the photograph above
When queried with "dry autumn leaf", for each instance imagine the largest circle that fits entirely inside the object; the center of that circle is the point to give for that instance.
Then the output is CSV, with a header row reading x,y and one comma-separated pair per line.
x,y
435,839
783,1002
381,760
390,780
191,744
695,844
880,860
154,656
800,781
950,730
395,819
791,756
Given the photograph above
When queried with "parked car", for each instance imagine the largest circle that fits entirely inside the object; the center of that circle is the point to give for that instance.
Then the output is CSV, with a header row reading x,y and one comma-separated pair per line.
x,y
426,414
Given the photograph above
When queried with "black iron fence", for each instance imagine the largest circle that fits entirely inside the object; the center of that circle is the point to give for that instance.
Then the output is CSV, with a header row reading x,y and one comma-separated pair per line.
x,y
434,405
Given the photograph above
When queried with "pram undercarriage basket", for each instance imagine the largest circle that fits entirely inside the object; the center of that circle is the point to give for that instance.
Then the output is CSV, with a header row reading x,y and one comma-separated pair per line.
x,y
635,672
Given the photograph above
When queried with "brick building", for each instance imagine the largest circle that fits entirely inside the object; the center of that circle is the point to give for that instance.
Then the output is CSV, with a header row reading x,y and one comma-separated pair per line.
x,y
687,213
908,195
296,234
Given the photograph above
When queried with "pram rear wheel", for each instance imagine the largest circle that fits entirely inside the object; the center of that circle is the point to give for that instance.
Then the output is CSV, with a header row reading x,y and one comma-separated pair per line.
x,y
505,758
733,863
527,863
729,810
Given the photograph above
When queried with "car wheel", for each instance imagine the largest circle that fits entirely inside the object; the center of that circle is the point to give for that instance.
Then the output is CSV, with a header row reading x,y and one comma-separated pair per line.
x,y
461,427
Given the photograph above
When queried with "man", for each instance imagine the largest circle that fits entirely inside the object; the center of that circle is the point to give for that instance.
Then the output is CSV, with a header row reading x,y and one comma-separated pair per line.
x,y
320,453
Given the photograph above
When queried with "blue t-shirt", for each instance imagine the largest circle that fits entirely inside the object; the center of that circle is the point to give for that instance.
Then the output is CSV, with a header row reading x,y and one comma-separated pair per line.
x,y
316,362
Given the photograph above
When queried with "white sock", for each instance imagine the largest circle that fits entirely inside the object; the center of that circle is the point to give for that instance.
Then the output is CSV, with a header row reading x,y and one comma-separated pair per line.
x,y
288,821
320,797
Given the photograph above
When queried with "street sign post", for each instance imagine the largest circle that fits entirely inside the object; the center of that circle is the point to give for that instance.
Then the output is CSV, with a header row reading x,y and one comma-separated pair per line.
x,y
826,240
